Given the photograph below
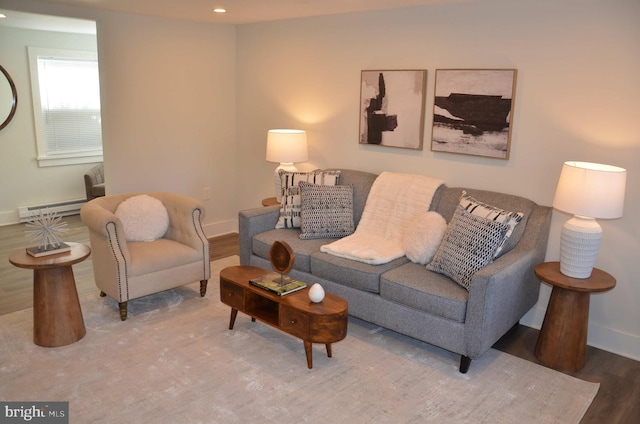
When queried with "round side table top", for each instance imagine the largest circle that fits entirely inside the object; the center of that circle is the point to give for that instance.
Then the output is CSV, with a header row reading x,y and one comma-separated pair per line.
x,y
79,252
600,281
270,201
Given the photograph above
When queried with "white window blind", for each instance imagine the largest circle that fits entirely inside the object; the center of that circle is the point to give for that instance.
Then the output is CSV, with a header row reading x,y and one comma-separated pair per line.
x,y
70,103
66,106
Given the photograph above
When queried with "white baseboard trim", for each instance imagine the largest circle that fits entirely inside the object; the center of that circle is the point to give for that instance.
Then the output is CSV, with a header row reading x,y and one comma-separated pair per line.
x,y
601,337
214,229
9,218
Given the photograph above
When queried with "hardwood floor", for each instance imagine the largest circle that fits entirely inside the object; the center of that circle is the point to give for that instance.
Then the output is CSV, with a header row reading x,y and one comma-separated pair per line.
x,y
617,401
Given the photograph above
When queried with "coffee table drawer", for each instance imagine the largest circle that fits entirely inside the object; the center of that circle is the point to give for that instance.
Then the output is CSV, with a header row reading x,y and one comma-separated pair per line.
x,y
232,295
294,322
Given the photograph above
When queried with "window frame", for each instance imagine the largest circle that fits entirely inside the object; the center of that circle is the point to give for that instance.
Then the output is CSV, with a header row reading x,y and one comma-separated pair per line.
x,y
64,159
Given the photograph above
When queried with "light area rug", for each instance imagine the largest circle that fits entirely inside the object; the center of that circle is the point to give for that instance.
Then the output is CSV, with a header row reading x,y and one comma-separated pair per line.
x,y
175,361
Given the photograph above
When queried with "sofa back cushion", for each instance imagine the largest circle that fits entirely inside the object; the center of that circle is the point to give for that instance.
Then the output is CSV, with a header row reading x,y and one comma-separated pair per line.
x,y
446,200
361,182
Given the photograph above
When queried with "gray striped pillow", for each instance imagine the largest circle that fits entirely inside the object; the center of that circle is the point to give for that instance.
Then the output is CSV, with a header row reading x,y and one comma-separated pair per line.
x,y
477,208
291,204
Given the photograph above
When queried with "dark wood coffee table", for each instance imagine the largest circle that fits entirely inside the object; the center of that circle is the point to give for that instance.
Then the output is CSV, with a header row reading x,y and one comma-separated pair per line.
x,y
295,314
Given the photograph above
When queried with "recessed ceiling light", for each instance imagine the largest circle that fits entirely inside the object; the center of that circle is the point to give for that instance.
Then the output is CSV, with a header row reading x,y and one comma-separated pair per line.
x,y
219,10
2,16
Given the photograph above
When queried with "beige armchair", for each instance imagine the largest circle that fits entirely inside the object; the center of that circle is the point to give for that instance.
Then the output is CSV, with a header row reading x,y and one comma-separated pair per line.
x,y
129,270
94,182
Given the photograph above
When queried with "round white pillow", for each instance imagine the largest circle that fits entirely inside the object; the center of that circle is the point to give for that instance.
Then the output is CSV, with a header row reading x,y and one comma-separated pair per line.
x,y
144,218
423,237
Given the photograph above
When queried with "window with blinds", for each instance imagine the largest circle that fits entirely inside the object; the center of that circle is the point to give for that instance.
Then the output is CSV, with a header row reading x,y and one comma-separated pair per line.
x,y
66,106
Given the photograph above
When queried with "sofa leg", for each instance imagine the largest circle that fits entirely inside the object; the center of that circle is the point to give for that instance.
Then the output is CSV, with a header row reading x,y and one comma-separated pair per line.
x,y
465,363
203,287
123,310
102,294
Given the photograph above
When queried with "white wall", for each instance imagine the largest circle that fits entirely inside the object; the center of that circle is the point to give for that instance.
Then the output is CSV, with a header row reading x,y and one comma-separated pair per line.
x,y
23,182
576,99
168,105
168,90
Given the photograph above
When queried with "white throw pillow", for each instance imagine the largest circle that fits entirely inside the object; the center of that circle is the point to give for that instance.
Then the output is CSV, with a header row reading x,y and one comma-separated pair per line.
x,y
423,237
144,218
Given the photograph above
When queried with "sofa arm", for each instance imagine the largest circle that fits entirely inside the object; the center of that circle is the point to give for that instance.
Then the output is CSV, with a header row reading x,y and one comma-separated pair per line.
x,y
252,222
500,294
108,243
506,289
104,226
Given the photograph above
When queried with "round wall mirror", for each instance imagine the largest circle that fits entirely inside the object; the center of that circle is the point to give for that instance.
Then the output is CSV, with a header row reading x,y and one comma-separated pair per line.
x,y
8,98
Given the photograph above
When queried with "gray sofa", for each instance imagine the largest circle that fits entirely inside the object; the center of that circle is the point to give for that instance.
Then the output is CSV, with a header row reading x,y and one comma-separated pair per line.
x,y
404,296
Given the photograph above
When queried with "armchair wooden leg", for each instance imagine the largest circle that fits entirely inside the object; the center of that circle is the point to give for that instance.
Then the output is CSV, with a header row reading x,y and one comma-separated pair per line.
x,y
123,310
203,287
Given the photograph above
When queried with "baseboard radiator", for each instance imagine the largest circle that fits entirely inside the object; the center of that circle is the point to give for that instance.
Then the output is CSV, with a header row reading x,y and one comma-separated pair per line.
x,y
70,207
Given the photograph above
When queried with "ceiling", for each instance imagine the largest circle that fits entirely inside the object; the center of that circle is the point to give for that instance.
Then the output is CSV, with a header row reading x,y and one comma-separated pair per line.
x,y
244,11
46,23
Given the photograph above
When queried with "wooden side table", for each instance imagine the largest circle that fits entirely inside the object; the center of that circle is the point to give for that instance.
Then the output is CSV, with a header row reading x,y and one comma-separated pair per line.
x,y
57,317
270,201
562,343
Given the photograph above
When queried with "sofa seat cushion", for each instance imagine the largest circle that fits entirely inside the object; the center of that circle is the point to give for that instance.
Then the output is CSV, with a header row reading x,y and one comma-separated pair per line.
x,y
413,285
303,249
350,273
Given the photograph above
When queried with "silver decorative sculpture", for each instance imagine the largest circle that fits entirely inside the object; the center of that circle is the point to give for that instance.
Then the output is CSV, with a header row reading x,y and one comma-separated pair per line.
x,y
46,228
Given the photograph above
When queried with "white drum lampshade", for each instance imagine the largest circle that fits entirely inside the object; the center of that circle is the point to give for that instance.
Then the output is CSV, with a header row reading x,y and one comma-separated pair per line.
x,y
286,146
588,191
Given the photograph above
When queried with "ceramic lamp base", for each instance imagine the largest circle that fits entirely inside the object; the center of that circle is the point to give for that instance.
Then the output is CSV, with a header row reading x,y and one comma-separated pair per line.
x,y
285,166
579,245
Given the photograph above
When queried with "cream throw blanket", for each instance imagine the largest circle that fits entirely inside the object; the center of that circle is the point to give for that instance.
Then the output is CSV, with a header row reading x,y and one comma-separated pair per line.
x,y
393,202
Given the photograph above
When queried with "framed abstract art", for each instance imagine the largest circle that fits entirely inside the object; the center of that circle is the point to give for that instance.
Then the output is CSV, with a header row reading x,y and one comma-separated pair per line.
x,y
473,111
392,108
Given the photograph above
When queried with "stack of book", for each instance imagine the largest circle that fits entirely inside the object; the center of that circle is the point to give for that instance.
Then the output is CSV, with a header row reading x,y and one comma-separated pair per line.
x,y
49,249
278,283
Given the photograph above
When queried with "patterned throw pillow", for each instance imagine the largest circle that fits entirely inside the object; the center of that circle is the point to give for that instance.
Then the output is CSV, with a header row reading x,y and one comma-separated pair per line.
x,y
327,211
291,202
468,245
475,207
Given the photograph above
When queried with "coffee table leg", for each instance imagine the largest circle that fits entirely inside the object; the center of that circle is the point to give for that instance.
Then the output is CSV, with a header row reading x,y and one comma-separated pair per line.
x,y
232,321
308,351
328,349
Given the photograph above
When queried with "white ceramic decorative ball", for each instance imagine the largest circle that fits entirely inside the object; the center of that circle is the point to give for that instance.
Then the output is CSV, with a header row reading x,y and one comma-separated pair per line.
x,y
316,293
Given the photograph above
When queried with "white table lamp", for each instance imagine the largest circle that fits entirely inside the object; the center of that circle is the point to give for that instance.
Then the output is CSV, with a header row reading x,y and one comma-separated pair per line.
x,y
589,191
286,147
